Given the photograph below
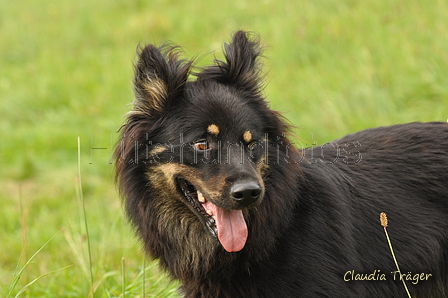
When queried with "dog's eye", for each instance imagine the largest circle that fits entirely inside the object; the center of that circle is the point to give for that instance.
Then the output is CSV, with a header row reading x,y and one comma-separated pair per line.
x,y
252,145
201,146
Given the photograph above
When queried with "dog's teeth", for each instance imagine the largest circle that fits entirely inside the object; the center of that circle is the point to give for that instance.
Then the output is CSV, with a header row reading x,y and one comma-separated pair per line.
x,y
201,197
209,212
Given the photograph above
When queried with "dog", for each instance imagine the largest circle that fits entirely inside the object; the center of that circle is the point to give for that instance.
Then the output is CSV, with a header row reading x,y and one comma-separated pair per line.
x,y
231,208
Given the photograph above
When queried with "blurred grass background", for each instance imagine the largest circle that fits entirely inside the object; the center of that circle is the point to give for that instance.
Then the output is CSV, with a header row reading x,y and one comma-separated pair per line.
x,y
333,67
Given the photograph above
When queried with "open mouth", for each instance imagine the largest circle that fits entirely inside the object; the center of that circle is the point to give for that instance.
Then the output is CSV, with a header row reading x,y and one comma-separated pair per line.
x,y
197,200
228,226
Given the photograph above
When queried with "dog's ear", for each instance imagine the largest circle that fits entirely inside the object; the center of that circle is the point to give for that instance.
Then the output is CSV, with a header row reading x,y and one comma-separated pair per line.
x,y
159,78
242,68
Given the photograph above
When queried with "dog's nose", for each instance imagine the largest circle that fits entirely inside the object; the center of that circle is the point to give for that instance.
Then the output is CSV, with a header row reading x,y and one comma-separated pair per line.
x,y
245,193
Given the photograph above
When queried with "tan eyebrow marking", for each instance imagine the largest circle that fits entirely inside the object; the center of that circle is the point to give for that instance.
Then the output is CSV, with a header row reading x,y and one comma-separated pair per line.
x,y
213,129
247,136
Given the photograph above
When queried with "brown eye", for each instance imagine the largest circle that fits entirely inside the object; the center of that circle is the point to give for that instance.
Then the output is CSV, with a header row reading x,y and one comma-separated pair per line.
x,y
252,145
201,146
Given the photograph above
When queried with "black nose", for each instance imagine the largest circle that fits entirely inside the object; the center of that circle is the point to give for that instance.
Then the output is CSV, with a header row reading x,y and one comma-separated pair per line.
x,y
245,193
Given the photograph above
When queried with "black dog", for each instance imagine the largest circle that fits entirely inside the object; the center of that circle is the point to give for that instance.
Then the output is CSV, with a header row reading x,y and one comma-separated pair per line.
x,y
231,209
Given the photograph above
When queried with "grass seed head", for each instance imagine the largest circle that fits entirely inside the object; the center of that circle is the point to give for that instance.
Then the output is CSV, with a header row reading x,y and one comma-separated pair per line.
x,y
383,219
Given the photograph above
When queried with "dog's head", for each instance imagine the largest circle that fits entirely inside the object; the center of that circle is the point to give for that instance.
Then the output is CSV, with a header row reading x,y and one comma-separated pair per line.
x,y
195,152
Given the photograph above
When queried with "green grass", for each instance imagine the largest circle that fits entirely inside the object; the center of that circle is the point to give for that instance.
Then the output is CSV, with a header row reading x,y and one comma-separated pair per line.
x,y
333,67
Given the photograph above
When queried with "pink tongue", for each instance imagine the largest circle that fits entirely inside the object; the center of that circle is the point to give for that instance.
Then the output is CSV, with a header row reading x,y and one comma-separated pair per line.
x,y
232,228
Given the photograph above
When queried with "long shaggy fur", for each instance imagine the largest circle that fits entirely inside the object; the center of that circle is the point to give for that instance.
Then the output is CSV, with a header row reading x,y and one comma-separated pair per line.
x,y
316,217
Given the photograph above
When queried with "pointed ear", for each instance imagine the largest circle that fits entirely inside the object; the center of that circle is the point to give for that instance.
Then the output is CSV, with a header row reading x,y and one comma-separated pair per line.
x,y
242,68
159,77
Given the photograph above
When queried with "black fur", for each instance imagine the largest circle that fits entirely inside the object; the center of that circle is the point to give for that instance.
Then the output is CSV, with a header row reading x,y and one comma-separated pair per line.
x,y
317,218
